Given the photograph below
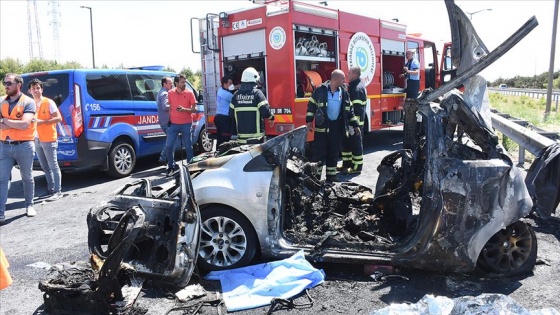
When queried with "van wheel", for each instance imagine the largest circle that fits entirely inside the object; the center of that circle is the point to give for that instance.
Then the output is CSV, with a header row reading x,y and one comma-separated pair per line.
x,y
227,239
205,143
510,252
122,160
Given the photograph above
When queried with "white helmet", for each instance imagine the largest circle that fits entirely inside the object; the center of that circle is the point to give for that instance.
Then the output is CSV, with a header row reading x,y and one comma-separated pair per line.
x,y
250,75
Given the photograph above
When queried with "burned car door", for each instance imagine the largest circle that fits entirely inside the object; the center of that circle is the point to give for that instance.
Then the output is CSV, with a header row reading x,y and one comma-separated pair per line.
x,y
165,245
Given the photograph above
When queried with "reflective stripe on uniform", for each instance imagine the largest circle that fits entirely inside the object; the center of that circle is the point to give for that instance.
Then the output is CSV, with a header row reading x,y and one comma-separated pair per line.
x,y
331,170
346,156
262,104
359,102
358,160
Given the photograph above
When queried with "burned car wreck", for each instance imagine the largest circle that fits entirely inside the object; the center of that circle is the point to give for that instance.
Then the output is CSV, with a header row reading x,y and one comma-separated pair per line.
x,y
439,203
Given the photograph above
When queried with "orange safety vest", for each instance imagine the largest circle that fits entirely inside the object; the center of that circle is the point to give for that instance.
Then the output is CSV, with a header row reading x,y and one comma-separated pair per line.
x,y
16,114
46,132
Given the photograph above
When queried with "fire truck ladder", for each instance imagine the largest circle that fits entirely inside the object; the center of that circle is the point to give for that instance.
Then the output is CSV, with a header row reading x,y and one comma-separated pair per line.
x,y
209,54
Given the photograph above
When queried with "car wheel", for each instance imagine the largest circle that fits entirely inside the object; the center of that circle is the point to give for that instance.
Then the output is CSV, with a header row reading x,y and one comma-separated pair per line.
x,y
227,239
122,159
511,251
205,143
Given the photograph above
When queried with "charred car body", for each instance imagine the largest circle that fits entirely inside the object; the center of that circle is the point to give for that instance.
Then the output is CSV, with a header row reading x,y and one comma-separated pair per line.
x,y
439,204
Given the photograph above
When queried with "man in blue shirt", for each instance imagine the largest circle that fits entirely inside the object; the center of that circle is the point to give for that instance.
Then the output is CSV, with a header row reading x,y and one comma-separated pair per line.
x,y
329,110
412,73
222,119
163,111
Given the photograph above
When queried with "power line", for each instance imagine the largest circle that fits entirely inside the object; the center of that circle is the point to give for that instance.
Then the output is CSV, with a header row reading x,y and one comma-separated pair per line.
x,y
55,24
34,30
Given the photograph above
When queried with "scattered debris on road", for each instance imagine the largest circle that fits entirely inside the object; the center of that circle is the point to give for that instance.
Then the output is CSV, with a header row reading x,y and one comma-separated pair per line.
x,y
482,304
146,230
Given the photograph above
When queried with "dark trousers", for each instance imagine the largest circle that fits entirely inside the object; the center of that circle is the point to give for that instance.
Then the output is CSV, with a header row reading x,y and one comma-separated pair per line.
x,y
353,151
327,145
223,126
412,88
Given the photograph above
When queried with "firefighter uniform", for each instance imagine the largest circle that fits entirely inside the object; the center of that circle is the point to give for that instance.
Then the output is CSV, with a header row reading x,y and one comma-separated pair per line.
x,y
247,109
352,148
329,131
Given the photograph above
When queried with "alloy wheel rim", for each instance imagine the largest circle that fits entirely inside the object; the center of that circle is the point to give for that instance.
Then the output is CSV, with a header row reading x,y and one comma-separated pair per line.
x,y
508,249
223,241
123,160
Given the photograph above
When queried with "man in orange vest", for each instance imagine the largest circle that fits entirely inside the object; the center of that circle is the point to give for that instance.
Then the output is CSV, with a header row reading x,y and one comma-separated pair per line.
x,y
17,133
46,141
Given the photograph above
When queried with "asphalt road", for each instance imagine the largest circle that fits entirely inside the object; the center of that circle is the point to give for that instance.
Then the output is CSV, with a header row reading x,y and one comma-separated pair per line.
x,y
59,234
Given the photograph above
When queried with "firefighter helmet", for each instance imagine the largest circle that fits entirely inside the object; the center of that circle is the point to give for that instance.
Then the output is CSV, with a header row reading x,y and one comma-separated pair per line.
x,y
250,75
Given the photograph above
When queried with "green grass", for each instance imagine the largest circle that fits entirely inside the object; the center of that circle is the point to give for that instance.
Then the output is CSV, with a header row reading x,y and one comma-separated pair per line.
x,y
527,108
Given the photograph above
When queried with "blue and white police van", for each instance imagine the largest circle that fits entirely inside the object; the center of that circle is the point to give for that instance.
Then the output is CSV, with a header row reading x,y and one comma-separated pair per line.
x,y
109,117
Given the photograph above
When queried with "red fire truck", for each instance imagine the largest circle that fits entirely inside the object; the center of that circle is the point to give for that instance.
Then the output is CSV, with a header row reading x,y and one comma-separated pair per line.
x,y
295,46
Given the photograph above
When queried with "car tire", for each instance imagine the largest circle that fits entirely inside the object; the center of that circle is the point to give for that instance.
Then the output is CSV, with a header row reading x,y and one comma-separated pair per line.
x,y
205,143
510,252
228,240
122,160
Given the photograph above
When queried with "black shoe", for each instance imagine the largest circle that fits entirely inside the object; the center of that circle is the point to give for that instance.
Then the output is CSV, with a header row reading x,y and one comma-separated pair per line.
x,y
46,195
170,171
351,170
343,167
332,179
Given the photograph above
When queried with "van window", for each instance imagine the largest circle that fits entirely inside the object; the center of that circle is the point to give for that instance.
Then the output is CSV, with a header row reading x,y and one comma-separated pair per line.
x,y
104,87
55,86
144,87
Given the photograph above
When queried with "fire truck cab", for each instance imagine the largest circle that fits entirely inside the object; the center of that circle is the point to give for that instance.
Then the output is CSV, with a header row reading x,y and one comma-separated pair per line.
x,y
295,46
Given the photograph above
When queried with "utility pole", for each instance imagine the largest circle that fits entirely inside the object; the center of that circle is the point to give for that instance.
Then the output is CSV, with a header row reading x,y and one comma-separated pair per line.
x,y
55,24
91,26
551,67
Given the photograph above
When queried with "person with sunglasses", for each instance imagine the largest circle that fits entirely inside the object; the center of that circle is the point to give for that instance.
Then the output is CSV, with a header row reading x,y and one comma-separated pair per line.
x,y
18,126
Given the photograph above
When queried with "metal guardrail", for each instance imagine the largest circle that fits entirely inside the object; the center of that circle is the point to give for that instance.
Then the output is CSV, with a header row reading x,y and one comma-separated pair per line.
x,y
532,93
527,136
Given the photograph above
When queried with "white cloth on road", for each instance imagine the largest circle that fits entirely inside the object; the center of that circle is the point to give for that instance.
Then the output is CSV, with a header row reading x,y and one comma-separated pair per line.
x,y
257,285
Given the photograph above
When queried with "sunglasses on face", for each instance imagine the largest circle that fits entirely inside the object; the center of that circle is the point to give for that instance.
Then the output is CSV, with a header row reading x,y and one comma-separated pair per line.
x,y
7,83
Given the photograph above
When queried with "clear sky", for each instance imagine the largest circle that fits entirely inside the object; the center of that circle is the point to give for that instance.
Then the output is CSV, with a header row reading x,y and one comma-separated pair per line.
x,y
138,33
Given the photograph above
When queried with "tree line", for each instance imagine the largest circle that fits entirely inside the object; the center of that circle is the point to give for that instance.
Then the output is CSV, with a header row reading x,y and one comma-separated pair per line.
x,y
11,65
532,82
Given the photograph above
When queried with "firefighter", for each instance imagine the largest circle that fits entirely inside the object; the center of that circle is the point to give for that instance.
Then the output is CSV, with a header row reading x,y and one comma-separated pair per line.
x,y
248,108
334,119
352,147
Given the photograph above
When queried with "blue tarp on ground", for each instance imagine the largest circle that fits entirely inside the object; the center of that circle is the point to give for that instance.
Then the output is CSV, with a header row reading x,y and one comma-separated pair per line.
x,y
257,285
